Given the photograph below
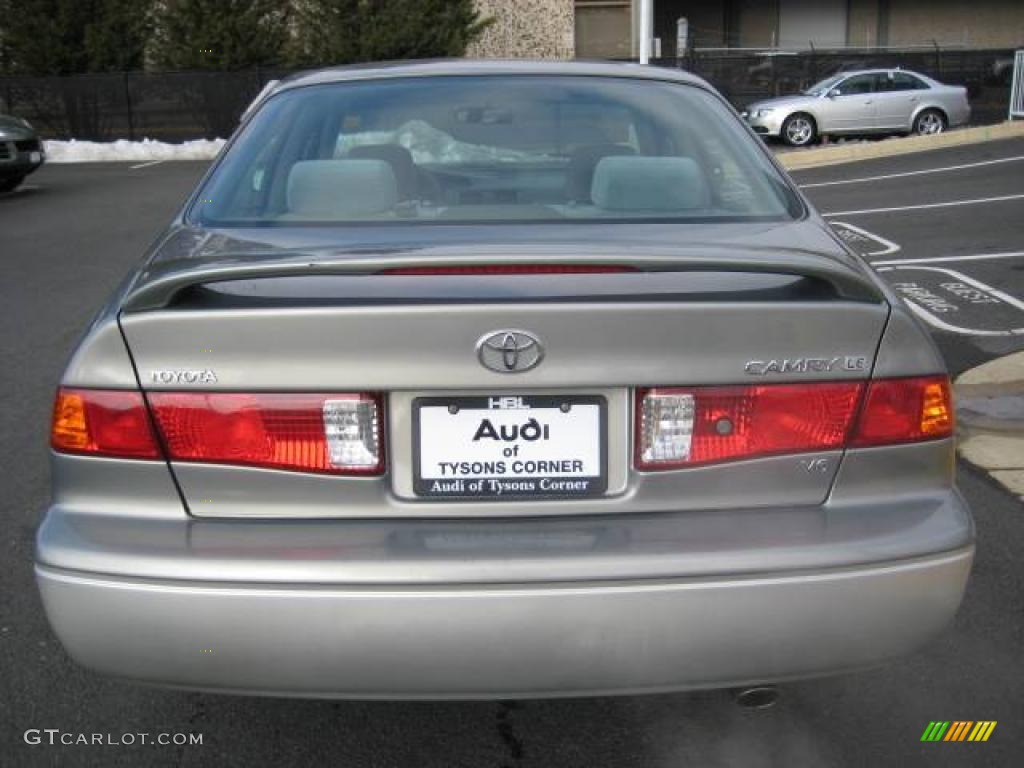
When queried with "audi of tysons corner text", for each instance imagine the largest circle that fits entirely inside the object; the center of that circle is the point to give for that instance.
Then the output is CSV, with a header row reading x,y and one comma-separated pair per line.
x,y
495,380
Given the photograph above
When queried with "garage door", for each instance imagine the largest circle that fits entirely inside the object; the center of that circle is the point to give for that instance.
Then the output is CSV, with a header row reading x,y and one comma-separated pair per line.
x,y
803,22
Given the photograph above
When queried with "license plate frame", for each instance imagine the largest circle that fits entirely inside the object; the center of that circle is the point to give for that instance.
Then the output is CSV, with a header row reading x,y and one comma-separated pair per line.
x,y
567,484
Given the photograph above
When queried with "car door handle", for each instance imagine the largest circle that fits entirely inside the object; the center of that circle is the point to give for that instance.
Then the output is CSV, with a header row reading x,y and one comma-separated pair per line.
x,y
868,101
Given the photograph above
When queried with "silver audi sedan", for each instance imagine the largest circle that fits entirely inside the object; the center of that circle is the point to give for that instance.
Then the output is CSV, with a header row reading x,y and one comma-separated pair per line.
x,y
862,102
494,379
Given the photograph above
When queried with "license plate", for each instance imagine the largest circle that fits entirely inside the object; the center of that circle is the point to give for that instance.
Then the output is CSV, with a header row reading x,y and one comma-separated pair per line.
x,y
510,446
34,157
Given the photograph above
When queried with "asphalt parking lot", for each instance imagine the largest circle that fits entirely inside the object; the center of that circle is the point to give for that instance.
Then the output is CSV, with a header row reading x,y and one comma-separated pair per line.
x,y
946,228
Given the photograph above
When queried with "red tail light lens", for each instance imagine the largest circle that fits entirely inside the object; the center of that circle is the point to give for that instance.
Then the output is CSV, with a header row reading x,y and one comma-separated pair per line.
x,y
510,269
741,422
681,427
336,433
905,410
102,423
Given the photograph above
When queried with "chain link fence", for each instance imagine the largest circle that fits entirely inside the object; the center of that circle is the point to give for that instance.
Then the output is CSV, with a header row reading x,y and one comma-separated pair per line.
x,y
177,106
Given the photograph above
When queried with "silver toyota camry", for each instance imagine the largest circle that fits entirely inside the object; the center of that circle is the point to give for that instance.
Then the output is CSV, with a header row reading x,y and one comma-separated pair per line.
x,y
862,102
499,380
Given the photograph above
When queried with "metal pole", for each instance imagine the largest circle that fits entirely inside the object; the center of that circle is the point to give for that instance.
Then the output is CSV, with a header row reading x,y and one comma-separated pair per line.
x,y
646,30
128,105
1017,87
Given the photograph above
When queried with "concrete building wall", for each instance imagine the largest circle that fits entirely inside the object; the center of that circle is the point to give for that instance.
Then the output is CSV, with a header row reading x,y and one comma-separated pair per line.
x,y
526,29
983,23
818,22
607,28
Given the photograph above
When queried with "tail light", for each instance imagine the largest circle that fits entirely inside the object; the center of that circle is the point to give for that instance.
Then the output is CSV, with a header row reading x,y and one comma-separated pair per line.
x,y
681,427
102,423
336,433
905,410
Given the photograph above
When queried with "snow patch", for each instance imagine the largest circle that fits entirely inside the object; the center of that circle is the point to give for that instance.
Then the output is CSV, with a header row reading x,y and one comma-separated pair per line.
x,y
130,151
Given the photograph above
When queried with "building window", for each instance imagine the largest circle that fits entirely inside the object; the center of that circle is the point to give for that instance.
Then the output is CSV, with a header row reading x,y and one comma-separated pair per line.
x,y
603,29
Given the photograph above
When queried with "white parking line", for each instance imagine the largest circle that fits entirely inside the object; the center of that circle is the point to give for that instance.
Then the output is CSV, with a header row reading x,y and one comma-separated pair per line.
x,y
904,174
933,320
943,259
926,206
888,246
146,165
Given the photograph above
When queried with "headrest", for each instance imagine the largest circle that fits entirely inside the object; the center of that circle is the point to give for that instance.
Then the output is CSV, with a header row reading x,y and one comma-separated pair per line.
x,y
341,189
400,160
579,173
649,184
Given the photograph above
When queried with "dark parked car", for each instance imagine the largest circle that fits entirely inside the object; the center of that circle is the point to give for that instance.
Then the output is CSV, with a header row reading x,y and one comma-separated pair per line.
x,y
21,151
498,379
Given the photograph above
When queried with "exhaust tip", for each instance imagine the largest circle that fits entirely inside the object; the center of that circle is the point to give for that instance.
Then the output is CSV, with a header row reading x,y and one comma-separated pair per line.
x,y
757,697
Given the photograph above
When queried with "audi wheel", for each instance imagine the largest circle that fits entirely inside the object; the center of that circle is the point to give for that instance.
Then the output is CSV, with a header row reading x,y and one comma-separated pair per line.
x,y
799,130
929,122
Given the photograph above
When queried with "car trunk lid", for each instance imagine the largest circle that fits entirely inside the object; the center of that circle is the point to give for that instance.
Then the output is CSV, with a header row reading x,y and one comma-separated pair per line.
x,y
363,324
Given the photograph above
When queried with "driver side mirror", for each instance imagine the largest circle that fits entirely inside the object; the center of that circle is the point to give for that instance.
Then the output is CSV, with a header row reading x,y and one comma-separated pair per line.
x,y
833,93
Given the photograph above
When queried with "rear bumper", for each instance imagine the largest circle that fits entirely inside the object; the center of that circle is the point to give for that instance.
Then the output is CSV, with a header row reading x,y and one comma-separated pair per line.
x,y
960,117
502,640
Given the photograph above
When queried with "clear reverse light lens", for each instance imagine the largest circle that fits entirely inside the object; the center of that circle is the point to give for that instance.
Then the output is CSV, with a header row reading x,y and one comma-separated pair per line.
x,y
666,427
352,431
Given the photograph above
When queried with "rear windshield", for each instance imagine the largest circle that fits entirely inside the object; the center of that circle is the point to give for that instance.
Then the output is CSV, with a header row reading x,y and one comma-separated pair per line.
x,y
475,149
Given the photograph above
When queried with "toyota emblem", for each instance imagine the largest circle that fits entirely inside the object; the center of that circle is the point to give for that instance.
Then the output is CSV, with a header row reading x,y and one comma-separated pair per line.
x,y
509,351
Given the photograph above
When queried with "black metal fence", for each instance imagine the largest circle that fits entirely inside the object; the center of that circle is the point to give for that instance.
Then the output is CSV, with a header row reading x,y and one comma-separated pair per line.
x,y
168,106
176,106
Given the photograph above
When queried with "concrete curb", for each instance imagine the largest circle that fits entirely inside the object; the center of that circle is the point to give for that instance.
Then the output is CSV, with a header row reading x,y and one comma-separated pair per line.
x,y
848,153
990,402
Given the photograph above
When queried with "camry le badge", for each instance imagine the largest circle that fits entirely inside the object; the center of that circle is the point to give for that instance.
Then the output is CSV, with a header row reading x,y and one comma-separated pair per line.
x,y
509,351
857,363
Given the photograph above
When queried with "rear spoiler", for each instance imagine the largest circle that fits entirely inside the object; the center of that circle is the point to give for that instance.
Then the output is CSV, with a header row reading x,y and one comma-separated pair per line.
x,y
159,284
